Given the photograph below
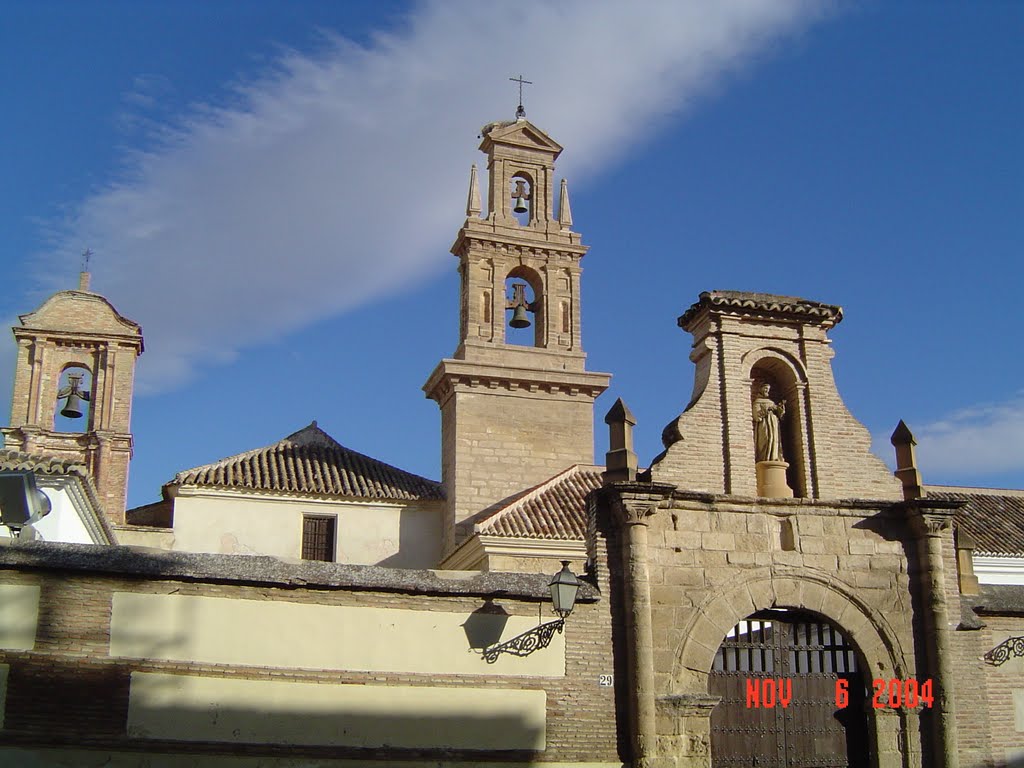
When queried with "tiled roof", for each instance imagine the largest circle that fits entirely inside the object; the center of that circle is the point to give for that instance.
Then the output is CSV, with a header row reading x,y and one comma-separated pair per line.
x,y
993,518
311,461
757,304
555,509
48,465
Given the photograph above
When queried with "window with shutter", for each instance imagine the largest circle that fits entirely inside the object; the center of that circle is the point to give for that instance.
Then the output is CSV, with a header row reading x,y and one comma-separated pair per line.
x,y
318,538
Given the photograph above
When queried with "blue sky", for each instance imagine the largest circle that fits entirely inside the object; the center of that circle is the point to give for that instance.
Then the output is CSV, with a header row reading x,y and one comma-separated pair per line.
x,y
271,189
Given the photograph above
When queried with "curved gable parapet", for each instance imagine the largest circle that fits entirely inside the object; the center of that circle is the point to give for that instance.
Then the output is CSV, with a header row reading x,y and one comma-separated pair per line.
x,y
79,312
743,342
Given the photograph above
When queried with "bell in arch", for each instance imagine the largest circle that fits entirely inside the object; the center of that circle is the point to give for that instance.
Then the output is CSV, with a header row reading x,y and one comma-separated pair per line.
x,y
73,395
520,198
519,306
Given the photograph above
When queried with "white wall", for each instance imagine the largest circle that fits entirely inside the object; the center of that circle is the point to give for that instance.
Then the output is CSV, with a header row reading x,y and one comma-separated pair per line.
x,y
367,533
999,570
64,523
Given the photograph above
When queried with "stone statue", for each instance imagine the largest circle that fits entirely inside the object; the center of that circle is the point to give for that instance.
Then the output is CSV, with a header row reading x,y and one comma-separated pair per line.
x,y
767,430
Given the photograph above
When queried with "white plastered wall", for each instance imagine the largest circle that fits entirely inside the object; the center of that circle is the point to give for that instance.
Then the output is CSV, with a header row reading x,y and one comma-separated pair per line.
x,y
397,534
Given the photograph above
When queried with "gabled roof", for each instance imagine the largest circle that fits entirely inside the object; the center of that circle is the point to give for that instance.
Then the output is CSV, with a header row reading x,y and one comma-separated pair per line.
x,y
993,517
555,509
311,461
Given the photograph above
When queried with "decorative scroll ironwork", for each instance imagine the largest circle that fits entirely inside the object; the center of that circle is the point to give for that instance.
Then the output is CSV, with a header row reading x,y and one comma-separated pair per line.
x,y
526,643
1011,646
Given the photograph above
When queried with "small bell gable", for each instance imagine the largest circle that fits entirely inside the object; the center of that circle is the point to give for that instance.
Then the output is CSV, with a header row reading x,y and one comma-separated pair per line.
x,y
765,417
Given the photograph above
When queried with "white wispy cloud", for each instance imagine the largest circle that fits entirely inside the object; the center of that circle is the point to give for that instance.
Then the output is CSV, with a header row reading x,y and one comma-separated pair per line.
x,y
332,179
979,441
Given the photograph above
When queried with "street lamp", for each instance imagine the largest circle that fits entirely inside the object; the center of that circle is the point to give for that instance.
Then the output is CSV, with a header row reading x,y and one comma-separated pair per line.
x,y
21,502
563,585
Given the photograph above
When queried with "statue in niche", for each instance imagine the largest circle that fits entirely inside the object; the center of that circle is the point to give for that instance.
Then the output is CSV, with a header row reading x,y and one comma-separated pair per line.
x,y
767,426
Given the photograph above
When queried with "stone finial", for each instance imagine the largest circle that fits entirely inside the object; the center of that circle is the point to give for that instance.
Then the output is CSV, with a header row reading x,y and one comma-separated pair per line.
x,y
620,460
83,281
564,211
965,546
473,201
906,463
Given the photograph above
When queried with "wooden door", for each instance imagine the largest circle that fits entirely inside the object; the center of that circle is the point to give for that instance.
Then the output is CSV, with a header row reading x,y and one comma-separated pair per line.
x,y
777,673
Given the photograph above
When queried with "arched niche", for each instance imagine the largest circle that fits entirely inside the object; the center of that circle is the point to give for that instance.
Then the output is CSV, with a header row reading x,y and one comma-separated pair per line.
x,y
74,393
522,192
533,336
786,379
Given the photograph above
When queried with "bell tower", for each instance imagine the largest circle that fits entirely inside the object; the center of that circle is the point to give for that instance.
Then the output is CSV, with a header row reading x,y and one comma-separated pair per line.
x,y
516,399
73,384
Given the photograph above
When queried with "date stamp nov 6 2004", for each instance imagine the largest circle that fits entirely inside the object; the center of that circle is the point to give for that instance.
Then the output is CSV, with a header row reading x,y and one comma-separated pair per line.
x,y
894,693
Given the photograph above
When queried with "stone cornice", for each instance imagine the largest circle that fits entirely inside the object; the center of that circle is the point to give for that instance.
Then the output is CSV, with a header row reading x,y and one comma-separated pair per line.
x,y
762,305
531,244
451,375
78,338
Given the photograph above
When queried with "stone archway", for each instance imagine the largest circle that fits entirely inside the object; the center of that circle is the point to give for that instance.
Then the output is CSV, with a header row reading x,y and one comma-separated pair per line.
x,y
895,734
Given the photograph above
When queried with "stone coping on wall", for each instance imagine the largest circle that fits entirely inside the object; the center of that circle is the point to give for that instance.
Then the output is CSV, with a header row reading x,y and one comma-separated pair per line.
x,y
272,571
998,599
728,502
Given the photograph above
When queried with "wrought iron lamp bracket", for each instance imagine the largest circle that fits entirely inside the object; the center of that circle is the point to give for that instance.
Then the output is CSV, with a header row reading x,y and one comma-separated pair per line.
x,y
1011,646
526,643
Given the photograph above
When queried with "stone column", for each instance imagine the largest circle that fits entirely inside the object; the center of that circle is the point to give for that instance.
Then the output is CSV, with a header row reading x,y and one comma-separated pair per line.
x,y
632,505
932,522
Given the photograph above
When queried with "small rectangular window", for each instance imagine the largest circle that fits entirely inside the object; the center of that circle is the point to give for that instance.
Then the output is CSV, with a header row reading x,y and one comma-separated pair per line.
x,y
318,538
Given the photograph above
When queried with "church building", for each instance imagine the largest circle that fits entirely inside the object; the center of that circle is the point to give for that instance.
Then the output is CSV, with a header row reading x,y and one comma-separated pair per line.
x,y
765,591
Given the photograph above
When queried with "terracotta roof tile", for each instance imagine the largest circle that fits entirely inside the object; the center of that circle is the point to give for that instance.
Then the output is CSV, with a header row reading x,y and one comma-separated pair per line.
x,y
555,509
311,461
993,518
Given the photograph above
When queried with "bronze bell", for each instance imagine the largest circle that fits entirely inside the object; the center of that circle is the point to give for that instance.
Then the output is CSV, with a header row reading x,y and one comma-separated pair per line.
x,y
521,196
73,408
75,395
519,318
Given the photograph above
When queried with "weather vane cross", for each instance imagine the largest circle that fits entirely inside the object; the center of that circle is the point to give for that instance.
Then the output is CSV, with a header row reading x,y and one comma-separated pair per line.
x,y
520,112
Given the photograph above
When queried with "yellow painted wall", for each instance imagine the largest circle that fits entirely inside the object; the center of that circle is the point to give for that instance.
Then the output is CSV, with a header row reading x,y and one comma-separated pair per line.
x,y
397,535
190,708
19,614
308,636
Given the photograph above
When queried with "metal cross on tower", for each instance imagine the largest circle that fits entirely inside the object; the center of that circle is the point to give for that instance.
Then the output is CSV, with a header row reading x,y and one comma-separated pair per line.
x,y
520,112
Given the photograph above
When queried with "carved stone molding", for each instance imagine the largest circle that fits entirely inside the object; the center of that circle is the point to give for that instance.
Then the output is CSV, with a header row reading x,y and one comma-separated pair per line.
x,y
633,513
688,704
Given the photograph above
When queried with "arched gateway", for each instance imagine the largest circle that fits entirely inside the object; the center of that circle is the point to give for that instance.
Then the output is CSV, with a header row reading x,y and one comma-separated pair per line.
x,y
792,694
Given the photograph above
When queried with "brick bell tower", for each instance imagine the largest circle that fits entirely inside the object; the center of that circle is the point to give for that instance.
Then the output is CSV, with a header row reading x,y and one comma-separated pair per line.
x,y
516,399
73,384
